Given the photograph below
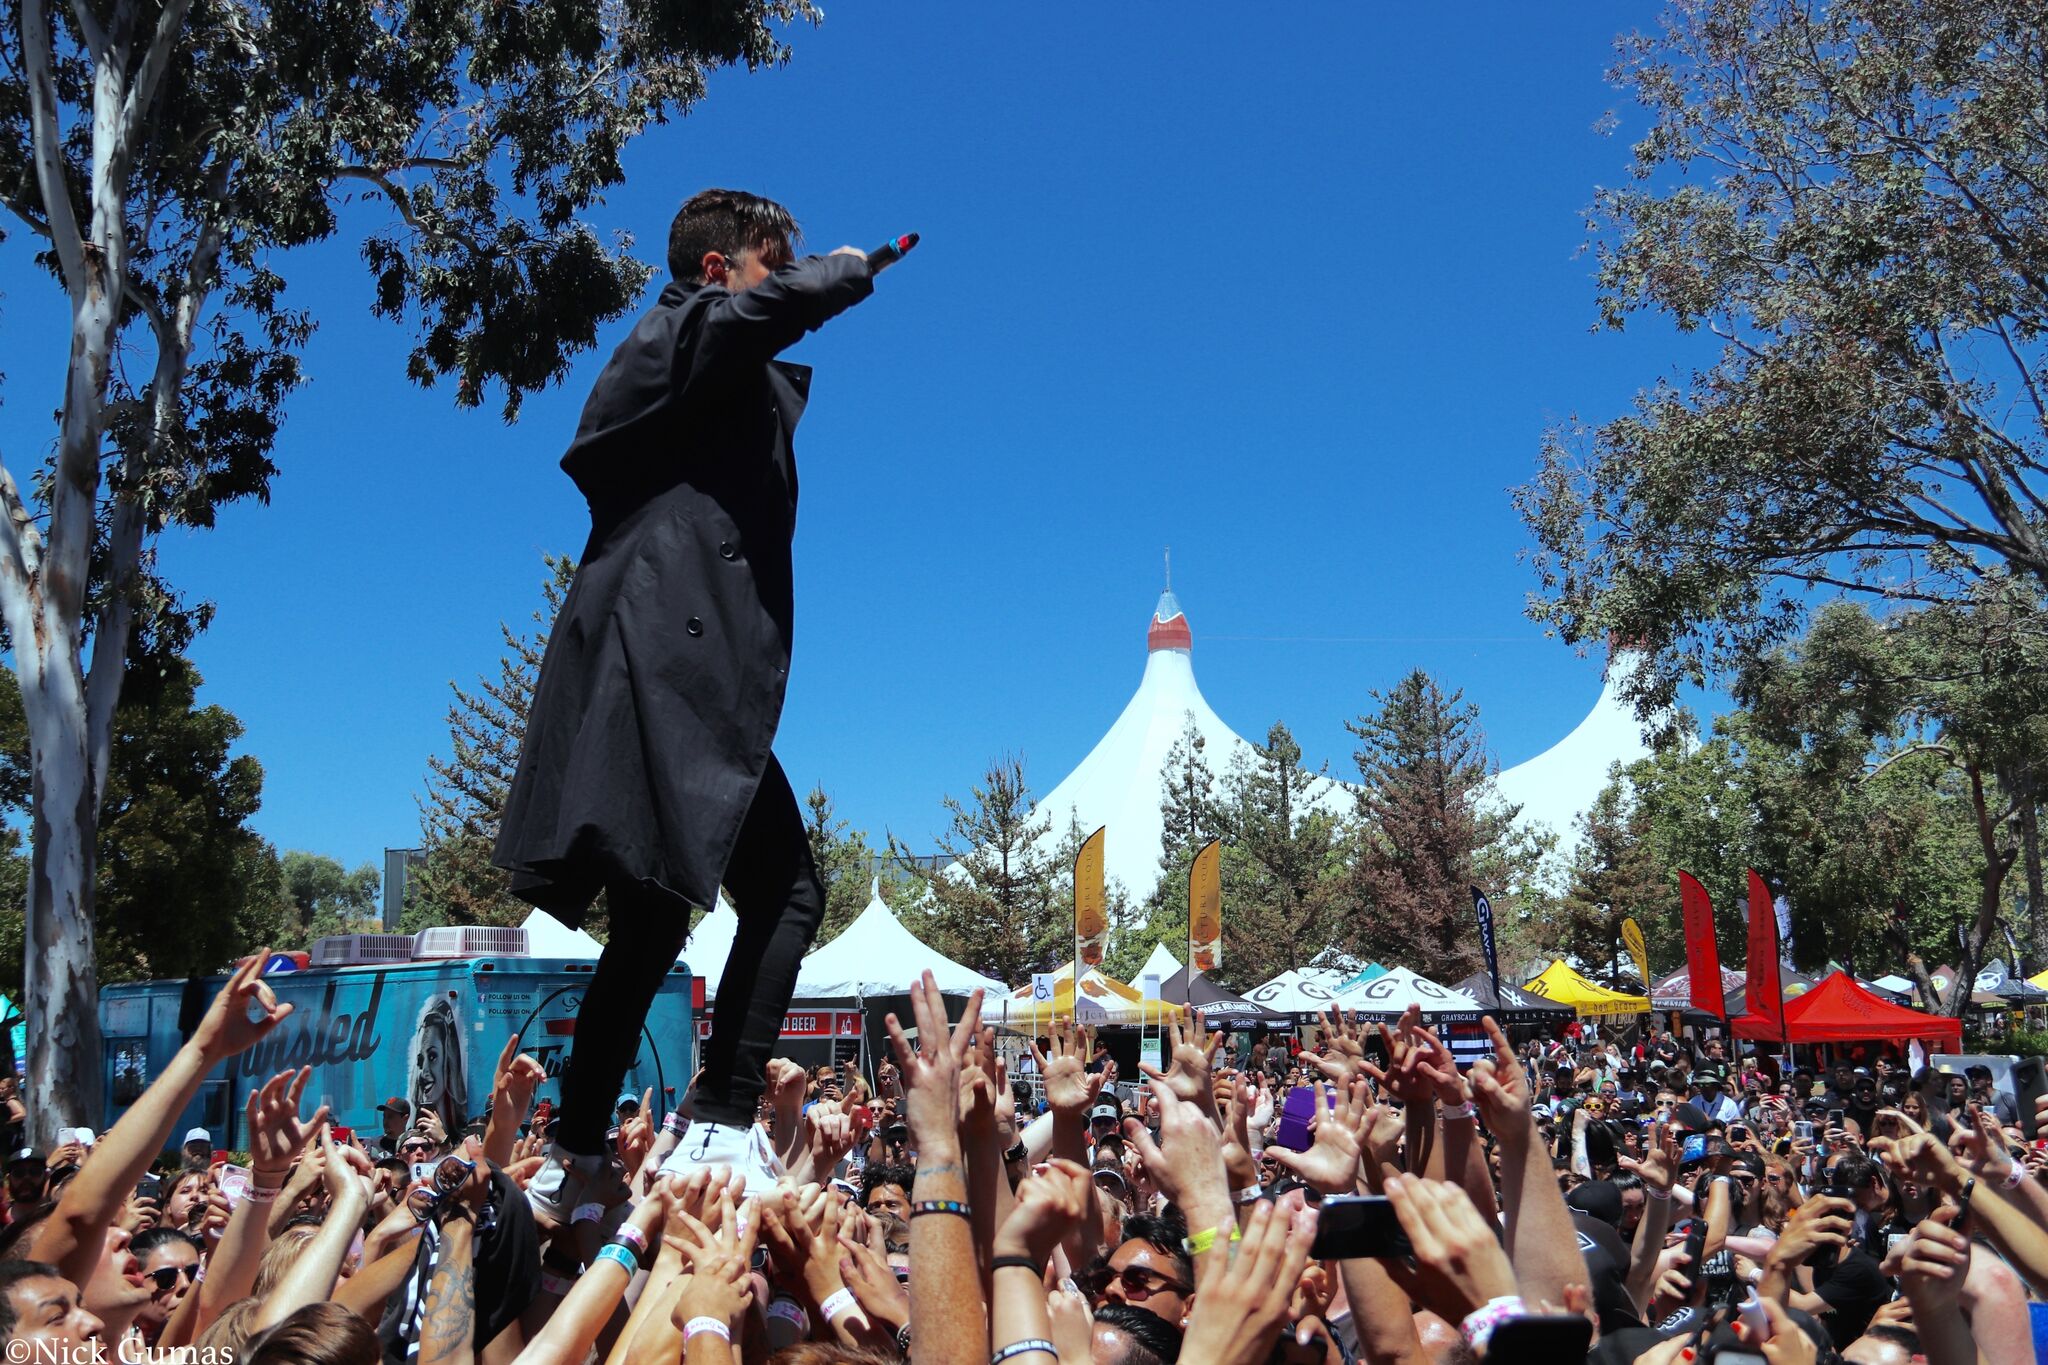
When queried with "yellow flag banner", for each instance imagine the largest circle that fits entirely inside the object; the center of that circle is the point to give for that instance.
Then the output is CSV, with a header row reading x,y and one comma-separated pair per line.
x,y
1091,904
1205,908
1632,935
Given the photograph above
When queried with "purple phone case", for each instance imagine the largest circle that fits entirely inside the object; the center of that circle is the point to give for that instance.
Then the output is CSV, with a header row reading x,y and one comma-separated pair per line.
x,y
1295,1113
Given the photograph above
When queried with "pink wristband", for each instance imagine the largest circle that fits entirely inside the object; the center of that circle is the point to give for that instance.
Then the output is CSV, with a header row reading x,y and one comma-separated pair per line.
x,y
1477,1328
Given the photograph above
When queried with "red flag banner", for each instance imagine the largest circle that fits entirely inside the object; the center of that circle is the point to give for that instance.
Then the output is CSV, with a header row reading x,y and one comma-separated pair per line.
x,y
1763,994
1702,954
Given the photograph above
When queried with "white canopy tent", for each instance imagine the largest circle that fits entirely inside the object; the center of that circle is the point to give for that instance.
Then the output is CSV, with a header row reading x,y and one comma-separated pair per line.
x,y
1394,990
1305,990
708,946
1161,964
876,955
547,936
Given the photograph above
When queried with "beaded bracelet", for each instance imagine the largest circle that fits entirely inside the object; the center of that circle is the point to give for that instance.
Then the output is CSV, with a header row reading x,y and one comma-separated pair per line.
x,y
712,1326
612,1251
1025,1347
1477,1328
957,1207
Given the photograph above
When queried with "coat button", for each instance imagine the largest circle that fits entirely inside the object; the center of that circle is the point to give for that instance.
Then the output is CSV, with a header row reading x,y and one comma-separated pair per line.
x,y
726,551
694,626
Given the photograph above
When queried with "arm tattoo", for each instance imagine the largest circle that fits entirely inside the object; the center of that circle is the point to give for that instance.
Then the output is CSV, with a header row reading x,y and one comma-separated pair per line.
x,y
448,1314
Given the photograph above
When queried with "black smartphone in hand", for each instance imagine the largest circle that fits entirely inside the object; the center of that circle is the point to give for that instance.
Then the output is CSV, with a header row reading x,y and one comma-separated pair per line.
x,y
1353,1227
1542,1336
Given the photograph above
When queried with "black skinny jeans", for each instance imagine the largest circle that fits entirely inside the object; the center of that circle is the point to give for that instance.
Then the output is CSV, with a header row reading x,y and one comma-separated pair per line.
x,y
774,888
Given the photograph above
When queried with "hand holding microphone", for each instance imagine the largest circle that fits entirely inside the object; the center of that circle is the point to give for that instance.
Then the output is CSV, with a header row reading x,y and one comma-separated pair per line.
x,y
885,255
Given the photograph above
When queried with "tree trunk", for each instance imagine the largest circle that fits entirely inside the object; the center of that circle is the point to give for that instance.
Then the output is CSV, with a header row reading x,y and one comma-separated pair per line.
x,y
65,1065
2030,848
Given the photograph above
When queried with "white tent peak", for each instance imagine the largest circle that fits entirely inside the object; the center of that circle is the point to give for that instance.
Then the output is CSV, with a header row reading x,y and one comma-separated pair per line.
x,y
1117,785
1556,786
876,955
1161,964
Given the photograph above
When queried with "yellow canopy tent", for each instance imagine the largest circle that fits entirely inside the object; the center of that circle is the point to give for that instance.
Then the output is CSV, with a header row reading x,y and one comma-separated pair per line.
x,y
1104,1000
1560,983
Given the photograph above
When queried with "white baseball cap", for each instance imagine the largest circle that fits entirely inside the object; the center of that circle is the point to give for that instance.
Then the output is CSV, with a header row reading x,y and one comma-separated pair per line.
x,y
198,1135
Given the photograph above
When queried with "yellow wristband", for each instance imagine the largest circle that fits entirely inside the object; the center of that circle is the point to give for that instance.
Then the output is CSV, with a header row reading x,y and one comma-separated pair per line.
x,y
1198,1243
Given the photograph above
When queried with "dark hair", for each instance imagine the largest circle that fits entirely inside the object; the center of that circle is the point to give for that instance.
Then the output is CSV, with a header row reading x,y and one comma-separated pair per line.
x,y
13,1273
1154,1340
827,1353
150,1240
727,222
1164,1233
882,1173
14,1238
1905,1338
317,1334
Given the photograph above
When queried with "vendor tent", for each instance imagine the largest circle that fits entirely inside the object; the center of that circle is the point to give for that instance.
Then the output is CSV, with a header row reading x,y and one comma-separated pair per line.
x,y
1220,1008
1389,994
1560,983
1103,1000
1791,985
547,936
1303,991
1364,974
875,955
1511,1004
1839,1011
1674,992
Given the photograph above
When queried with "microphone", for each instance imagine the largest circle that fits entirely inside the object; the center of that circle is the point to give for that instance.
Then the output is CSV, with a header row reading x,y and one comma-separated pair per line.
x,y
890,252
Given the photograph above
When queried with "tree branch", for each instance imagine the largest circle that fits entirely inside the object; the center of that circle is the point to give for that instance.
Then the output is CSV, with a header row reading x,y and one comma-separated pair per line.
x,y
401,201
47,147
1941,749
142,91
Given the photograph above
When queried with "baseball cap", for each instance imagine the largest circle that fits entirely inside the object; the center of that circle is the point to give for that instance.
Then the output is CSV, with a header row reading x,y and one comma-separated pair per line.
x,y
628,1100
1104,1111
395,1105
23,1156
193,1135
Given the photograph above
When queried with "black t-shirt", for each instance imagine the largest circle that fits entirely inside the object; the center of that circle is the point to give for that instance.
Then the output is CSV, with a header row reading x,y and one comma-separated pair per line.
x,y
1855,1290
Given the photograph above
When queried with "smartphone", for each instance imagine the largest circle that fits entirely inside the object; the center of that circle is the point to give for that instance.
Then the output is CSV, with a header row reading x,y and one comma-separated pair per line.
x,y
1893,1241
66,1136
1295,1113
1838,1192
1834,1118
1693,1149
1359,1225
423,1172
1803,1128
1548,1336
149,1187
234,1182
1695,1253
1739,1132
344,1137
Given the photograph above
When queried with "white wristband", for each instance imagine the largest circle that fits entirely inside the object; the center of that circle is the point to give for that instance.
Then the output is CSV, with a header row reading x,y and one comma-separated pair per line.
x,y
707,1325
837,1302
1248,1195
2014,1177
1466,1110
587,1213
1661,1196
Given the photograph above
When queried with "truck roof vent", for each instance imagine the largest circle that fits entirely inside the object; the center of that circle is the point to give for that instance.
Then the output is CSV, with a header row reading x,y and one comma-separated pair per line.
x,y
469,940
361,950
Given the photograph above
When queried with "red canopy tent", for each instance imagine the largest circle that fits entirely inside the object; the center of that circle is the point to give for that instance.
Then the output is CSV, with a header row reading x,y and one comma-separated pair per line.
x,y
1839,1011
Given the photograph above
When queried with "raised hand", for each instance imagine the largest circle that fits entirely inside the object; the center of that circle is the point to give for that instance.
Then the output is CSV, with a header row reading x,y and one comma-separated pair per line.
x,y
1936,1262
276,1132
229,1029
1501,1090
516,1079
1187,1159
1984,1153
1192,1052
1658,1166
719,1285
1069,1086
1343,1054
1051,1201
1241,1302
636,1135
931,1068
1459,1264
1331,1163
1401,1078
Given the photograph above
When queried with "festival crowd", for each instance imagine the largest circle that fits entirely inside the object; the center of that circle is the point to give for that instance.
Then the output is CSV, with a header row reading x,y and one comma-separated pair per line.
x,y
1663,1204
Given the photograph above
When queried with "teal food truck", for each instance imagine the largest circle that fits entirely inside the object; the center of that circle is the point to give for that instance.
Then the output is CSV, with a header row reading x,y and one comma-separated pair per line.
x,y
428,1030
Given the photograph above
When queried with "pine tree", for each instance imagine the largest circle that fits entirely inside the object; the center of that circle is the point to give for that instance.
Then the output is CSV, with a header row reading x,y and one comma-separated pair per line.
x,y
1281,863
465,796
997,907
1427,813
844,861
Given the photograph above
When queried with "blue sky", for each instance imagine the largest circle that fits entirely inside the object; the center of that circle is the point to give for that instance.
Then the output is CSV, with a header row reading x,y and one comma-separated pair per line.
x,y
1295,293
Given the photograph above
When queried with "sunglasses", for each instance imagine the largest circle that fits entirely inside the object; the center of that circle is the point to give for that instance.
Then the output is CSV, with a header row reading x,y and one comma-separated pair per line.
x,y
1141,1284
423,1146
166,1276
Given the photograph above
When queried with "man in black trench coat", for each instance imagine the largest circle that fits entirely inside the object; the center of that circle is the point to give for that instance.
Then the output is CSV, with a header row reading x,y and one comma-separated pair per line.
x,y
646,770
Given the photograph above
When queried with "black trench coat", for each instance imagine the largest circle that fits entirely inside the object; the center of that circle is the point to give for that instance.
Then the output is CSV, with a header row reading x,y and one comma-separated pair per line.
x,y
663,680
